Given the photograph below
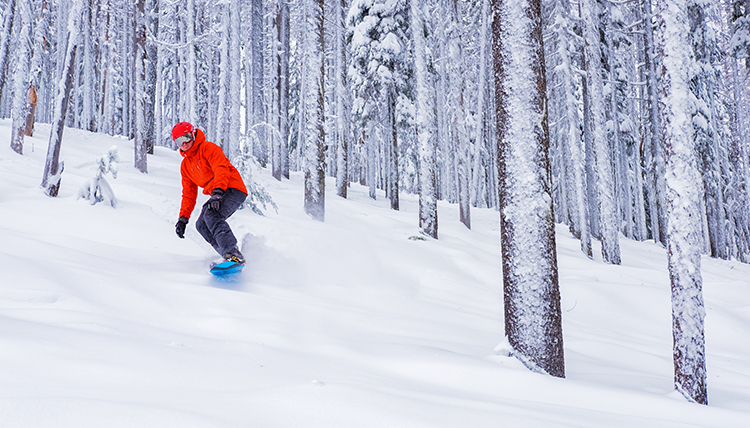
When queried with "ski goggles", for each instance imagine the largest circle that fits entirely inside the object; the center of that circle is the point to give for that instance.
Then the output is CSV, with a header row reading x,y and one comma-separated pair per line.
x,y
184,139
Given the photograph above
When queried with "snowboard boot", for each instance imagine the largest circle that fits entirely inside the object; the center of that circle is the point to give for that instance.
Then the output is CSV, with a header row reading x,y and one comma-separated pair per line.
x,y
235,256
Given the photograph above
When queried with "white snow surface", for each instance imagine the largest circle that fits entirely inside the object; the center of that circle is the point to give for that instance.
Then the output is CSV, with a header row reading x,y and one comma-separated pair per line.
x,y
107,319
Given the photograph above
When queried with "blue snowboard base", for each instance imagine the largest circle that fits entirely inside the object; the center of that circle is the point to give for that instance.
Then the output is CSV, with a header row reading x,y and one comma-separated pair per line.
x,y
225,268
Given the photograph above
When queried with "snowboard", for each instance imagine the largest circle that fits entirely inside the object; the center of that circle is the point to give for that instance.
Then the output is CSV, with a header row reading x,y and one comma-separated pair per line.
x,y
225,268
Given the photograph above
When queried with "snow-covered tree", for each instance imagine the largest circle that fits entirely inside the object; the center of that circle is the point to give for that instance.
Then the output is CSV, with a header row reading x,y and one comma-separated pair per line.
x,y
141,143
258,198
342,101
22,76
98,189
53,167
456,105
5,42
684,194
428,216
314,96
565,77
602,155
378,33
533,319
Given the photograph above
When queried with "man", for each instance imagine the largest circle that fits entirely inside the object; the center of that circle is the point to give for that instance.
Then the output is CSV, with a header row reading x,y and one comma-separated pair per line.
x,y
205,165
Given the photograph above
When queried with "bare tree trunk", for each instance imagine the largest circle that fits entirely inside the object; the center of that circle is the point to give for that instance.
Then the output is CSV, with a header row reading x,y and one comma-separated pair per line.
x,y
32,98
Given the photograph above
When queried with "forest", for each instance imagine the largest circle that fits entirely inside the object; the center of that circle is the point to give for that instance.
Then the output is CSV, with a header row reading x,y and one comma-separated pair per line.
x,y
622,119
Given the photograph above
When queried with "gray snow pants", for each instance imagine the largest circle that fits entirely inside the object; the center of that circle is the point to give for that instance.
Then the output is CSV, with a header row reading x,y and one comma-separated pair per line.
x,y
213,225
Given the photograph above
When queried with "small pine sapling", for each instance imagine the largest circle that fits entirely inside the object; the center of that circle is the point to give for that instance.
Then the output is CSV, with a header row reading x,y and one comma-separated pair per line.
x,y
97,189
247,166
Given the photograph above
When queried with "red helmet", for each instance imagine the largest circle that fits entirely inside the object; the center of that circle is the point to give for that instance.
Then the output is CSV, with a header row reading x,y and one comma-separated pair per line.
x,y
182,128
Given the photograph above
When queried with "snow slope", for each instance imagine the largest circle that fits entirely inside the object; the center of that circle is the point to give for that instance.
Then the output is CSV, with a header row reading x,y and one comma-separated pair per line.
x,y
107,319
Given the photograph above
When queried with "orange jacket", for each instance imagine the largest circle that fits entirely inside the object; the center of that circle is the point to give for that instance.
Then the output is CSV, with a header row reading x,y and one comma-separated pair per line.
x,y
206,166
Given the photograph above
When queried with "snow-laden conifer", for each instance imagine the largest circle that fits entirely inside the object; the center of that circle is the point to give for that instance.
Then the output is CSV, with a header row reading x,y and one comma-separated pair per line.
x,y
97,189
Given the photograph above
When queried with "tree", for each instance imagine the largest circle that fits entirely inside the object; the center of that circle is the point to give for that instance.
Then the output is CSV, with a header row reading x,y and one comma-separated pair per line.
x,y
22,77
256,103
314,98
342,134
708,138
7,31
428,216
657,204
533,319
684,192
141,142
456,100
53,167
39,66
378,31
602,156
574,179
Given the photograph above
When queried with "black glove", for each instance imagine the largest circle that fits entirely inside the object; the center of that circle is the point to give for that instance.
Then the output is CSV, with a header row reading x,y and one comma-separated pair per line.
x,y
214,202
180,227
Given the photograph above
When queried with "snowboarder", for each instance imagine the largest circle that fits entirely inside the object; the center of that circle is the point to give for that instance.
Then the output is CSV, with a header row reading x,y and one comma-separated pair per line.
x,y
205,165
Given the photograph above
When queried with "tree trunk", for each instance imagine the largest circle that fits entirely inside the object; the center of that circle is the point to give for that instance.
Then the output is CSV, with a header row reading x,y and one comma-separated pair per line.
x,y
284,49
5,39
603,161
29,131
342,101
392,150
256,102
314,100
683,201
53,167
141,144
657,153
428,216
533,319
22,78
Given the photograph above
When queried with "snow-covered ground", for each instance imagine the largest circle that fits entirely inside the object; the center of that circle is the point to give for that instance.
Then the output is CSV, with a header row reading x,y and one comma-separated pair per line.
x,y
107,319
